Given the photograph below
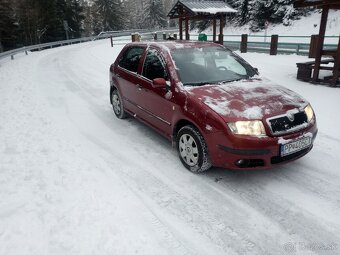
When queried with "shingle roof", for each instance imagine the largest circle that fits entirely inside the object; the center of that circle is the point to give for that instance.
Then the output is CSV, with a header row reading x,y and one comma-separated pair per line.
x,y
194,8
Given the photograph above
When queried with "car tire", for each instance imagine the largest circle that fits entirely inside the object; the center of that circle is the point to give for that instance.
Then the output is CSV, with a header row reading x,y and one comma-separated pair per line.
x,y
117,104
192,149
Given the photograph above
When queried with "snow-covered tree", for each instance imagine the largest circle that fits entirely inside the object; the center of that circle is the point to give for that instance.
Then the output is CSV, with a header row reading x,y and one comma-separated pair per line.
x,y
8,25
111,13
154,14
242,6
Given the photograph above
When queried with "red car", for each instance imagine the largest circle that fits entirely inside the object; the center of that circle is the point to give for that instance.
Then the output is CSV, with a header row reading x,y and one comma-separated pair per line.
x,y
211,104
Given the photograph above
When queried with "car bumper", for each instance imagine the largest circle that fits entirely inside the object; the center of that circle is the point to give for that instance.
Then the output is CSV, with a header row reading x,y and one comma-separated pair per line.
x,y
248,153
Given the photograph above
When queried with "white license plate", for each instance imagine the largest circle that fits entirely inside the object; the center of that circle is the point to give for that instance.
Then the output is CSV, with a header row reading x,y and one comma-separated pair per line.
x,y
295,146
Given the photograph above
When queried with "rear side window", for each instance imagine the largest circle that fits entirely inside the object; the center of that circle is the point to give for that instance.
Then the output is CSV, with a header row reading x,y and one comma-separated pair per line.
x,y
154,66
130,59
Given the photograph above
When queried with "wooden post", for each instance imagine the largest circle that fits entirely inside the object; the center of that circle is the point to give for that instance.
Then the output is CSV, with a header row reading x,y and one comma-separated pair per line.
x,y
187,36
336,68
220,36
313,46
155,36
319,48
164,36
111,41
244,43
273,44
133,37
214,29
180,29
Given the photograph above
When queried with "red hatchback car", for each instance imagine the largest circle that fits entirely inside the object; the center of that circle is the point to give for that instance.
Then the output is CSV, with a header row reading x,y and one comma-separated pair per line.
x,y
211,104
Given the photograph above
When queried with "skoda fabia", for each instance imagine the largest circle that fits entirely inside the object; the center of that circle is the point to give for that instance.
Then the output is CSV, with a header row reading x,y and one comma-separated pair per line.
x,y
211,104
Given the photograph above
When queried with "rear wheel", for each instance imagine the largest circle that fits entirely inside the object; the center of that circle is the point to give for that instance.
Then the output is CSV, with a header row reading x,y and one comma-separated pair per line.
x,y
192,149
117,104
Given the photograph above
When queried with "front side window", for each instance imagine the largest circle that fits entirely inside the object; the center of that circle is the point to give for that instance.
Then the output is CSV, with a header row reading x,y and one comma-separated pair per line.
x,y
207,65
154,66
130,58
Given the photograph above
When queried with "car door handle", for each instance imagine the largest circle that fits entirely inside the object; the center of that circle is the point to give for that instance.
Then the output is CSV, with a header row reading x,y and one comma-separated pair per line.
x,y
140,87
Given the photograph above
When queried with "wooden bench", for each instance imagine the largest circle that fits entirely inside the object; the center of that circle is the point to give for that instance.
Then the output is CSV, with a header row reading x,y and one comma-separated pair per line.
x,y
304,72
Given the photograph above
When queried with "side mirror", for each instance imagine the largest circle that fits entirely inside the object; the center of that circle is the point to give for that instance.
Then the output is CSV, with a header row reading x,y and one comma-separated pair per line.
x,y
159,83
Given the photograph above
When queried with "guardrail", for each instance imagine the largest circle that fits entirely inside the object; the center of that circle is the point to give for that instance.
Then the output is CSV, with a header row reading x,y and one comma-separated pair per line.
x,y
282,48
103,35
286,44
255,45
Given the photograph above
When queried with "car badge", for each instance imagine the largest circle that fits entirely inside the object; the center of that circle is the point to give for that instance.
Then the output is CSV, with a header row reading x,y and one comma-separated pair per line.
x,y
291,116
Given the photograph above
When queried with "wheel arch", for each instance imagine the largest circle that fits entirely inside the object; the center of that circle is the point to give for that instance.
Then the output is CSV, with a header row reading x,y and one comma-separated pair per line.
x,y
181,123
112,88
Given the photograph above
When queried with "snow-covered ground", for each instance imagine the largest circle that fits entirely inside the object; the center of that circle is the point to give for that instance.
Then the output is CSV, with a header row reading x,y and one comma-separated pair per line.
x,y
76,180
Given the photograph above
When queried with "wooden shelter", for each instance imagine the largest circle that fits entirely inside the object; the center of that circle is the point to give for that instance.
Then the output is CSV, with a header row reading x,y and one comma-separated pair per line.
x,y
186,10
332,54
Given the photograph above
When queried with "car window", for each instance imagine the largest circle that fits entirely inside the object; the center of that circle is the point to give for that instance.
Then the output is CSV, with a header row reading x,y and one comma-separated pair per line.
x,y
130,58
154,66
204,65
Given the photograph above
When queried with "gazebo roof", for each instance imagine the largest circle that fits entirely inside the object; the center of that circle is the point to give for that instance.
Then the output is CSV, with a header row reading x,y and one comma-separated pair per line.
x,y
332,4
193,8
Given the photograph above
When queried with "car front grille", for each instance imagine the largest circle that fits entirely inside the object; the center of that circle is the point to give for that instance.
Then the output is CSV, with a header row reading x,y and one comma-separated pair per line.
x,y
283,124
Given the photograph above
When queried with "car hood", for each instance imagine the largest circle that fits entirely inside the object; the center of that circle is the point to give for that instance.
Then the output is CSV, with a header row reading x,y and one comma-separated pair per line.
x,y
247,99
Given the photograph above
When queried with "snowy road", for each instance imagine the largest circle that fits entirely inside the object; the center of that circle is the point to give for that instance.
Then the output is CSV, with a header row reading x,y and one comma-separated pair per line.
x,y
76,180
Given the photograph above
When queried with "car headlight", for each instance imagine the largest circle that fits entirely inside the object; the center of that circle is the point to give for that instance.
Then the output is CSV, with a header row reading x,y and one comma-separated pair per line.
x,y
253,128
309,113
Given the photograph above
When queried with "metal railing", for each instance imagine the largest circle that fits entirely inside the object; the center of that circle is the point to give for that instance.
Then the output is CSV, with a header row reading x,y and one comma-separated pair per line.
x,y
283,48
287,44
255,43
102,35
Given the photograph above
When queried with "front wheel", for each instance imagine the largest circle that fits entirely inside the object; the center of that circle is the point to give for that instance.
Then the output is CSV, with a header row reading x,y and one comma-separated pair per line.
x,y
117,104
192,149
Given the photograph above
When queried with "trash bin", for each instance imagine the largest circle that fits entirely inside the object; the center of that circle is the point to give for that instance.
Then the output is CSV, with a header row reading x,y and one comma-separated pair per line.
x,y
202,37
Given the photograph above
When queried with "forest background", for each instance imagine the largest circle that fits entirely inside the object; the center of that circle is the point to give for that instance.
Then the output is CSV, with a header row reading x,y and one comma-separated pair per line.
x,y
27,22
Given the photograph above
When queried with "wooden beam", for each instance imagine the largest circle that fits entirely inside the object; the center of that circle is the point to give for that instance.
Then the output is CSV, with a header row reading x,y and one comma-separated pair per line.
x,y
180,28
187,36
321,40
214,30
336,68
332,4
220,37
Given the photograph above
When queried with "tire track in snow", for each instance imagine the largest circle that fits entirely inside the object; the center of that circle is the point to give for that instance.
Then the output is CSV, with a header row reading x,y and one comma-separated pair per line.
x,y
251,193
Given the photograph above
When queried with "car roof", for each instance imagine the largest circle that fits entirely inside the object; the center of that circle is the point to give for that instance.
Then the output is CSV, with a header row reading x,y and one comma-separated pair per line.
x,y
175,44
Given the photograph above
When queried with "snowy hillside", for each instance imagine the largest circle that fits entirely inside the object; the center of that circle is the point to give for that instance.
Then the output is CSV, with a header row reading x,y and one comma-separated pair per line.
x,y
306,26
76,180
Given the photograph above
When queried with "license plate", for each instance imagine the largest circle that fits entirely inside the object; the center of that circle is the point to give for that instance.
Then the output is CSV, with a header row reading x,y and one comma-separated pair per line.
x,y
295,146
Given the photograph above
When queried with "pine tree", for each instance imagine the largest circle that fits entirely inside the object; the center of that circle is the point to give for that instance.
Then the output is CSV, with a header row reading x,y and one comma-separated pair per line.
x,y
111,14
259,13
154,15
75,17
8,26
242,6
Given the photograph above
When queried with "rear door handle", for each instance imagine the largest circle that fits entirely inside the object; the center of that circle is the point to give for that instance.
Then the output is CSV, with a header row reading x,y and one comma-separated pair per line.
x,y
139,87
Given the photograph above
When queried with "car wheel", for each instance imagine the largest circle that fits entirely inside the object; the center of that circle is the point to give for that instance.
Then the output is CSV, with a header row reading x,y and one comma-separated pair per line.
x,y
117,104
192,149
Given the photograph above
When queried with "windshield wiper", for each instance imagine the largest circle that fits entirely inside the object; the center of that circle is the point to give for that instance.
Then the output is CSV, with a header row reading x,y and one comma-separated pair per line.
x,y
227,81
198,83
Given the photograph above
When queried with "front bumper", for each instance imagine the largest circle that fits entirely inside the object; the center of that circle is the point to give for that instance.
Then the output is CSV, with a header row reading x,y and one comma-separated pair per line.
x,y
241,152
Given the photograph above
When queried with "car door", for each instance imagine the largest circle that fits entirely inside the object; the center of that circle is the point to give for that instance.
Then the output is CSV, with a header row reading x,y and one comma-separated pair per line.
x,y
127,77
156,103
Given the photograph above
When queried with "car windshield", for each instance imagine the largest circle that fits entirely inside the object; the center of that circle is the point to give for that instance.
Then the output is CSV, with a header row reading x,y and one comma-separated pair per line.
x,y
206,65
